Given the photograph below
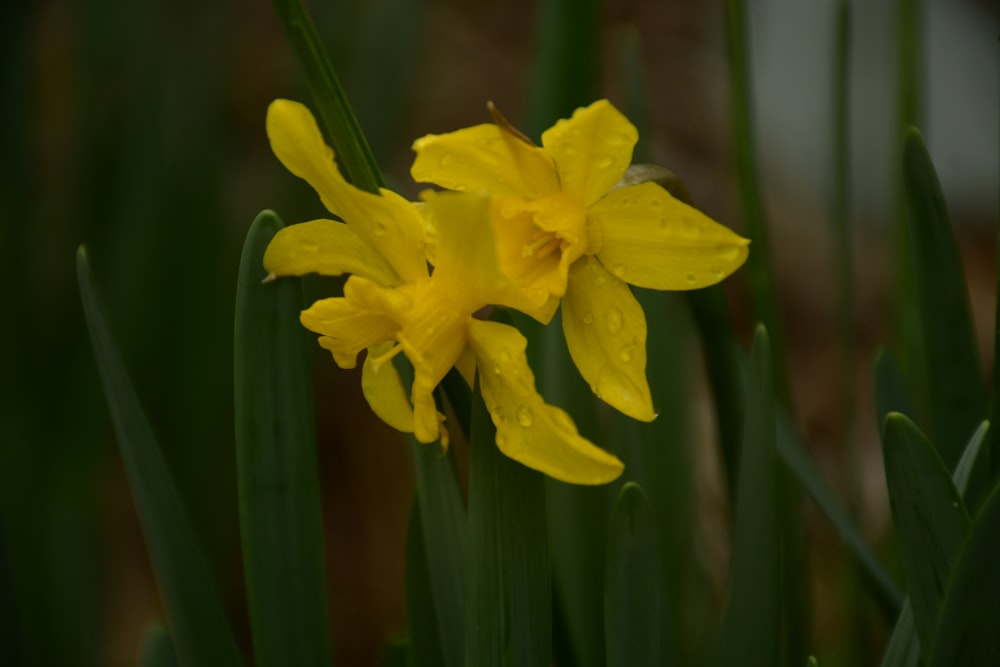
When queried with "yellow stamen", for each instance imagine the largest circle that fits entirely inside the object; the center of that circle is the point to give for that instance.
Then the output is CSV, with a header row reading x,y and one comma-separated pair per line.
x,y
544,245
381,359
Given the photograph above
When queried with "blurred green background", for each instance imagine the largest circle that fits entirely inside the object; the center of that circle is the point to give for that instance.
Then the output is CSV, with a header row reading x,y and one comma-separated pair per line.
x,y
138,129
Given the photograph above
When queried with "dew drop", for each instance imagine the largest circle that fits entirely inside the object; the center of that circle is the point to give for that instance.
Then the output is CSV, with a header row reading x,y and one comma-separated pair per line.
x,y
599,278
626,353
664,223
604,163
445,160
496,369
588,318
525,417
717,271
501,440
614,320
691,278
379,228
505,356
620,270
655,204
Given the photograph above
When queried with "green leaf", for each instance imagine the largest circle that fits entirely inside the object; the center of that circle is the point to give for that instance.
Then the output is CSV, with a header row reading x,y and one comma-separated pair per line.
x,y
890,387
509,605
280,516
201,631
930,518
425,637
762,287
566,64
957,396
752,624
967,634
157,649
354,157
443,520
904,646
633,604
800,465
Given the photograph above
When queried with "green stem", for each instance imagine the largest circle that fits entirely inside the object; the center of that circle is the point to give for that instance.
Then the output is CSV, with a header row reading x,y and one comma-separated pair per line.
x,y
354,156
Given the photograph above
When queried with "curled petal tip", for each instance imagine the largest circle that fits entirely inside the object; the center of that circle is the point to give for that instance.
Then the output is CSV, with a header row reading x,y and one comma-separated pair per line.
x,y
269,278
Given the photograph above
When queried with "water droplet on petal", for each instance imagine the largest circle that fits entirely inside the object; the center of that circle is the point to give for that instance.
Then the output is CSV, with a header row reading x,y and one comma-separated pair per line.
x,y
717,271
445,160
588,318
496,369
655,204
620,270
501,440
379,228
599,278
604,163
524,416
626,353
614,320
505,356
691,278
664,223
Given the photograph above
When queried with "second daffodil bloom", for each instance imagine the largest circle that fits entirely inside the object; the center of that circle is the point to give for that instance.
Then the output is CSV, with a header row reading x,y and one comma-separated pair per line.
x,y
566,229
393,303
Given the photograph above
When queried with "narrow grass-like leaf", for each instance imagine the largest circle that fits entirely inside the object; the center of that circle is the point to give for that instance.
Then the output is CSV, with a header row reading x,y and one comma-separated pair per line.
x,y
967,634
566,64
762,287
157,649
904,645
930,517
509,592
802,468
633,603
972,456
354,157
955,384
425,637
752,624
890,387
200,629
443,520
280,515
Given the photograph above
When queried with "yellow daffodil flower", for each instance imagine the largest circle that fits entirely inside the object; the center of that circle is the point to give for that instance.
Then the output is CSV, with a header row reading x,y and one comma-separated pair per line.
x,y
393,303
566,229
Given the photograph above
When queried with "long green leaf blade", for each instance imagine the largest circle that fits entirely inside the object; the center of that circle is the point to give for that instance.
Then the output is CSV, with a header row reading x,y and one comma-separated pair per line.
x,y
425,642
443,522
967,634
509,605
930,517
280,516
157,649
957,396
752,624
802,468
354,156
200,629
633,601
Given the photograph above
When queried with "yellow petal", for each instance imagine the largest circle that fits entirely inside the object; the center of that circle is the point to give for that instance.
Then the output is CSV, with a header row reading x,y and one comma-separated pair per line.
x,y
427,421
483,158
386,221
466,261
538,435
384,389
592,150
605,331
346,329
328,248
650,239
